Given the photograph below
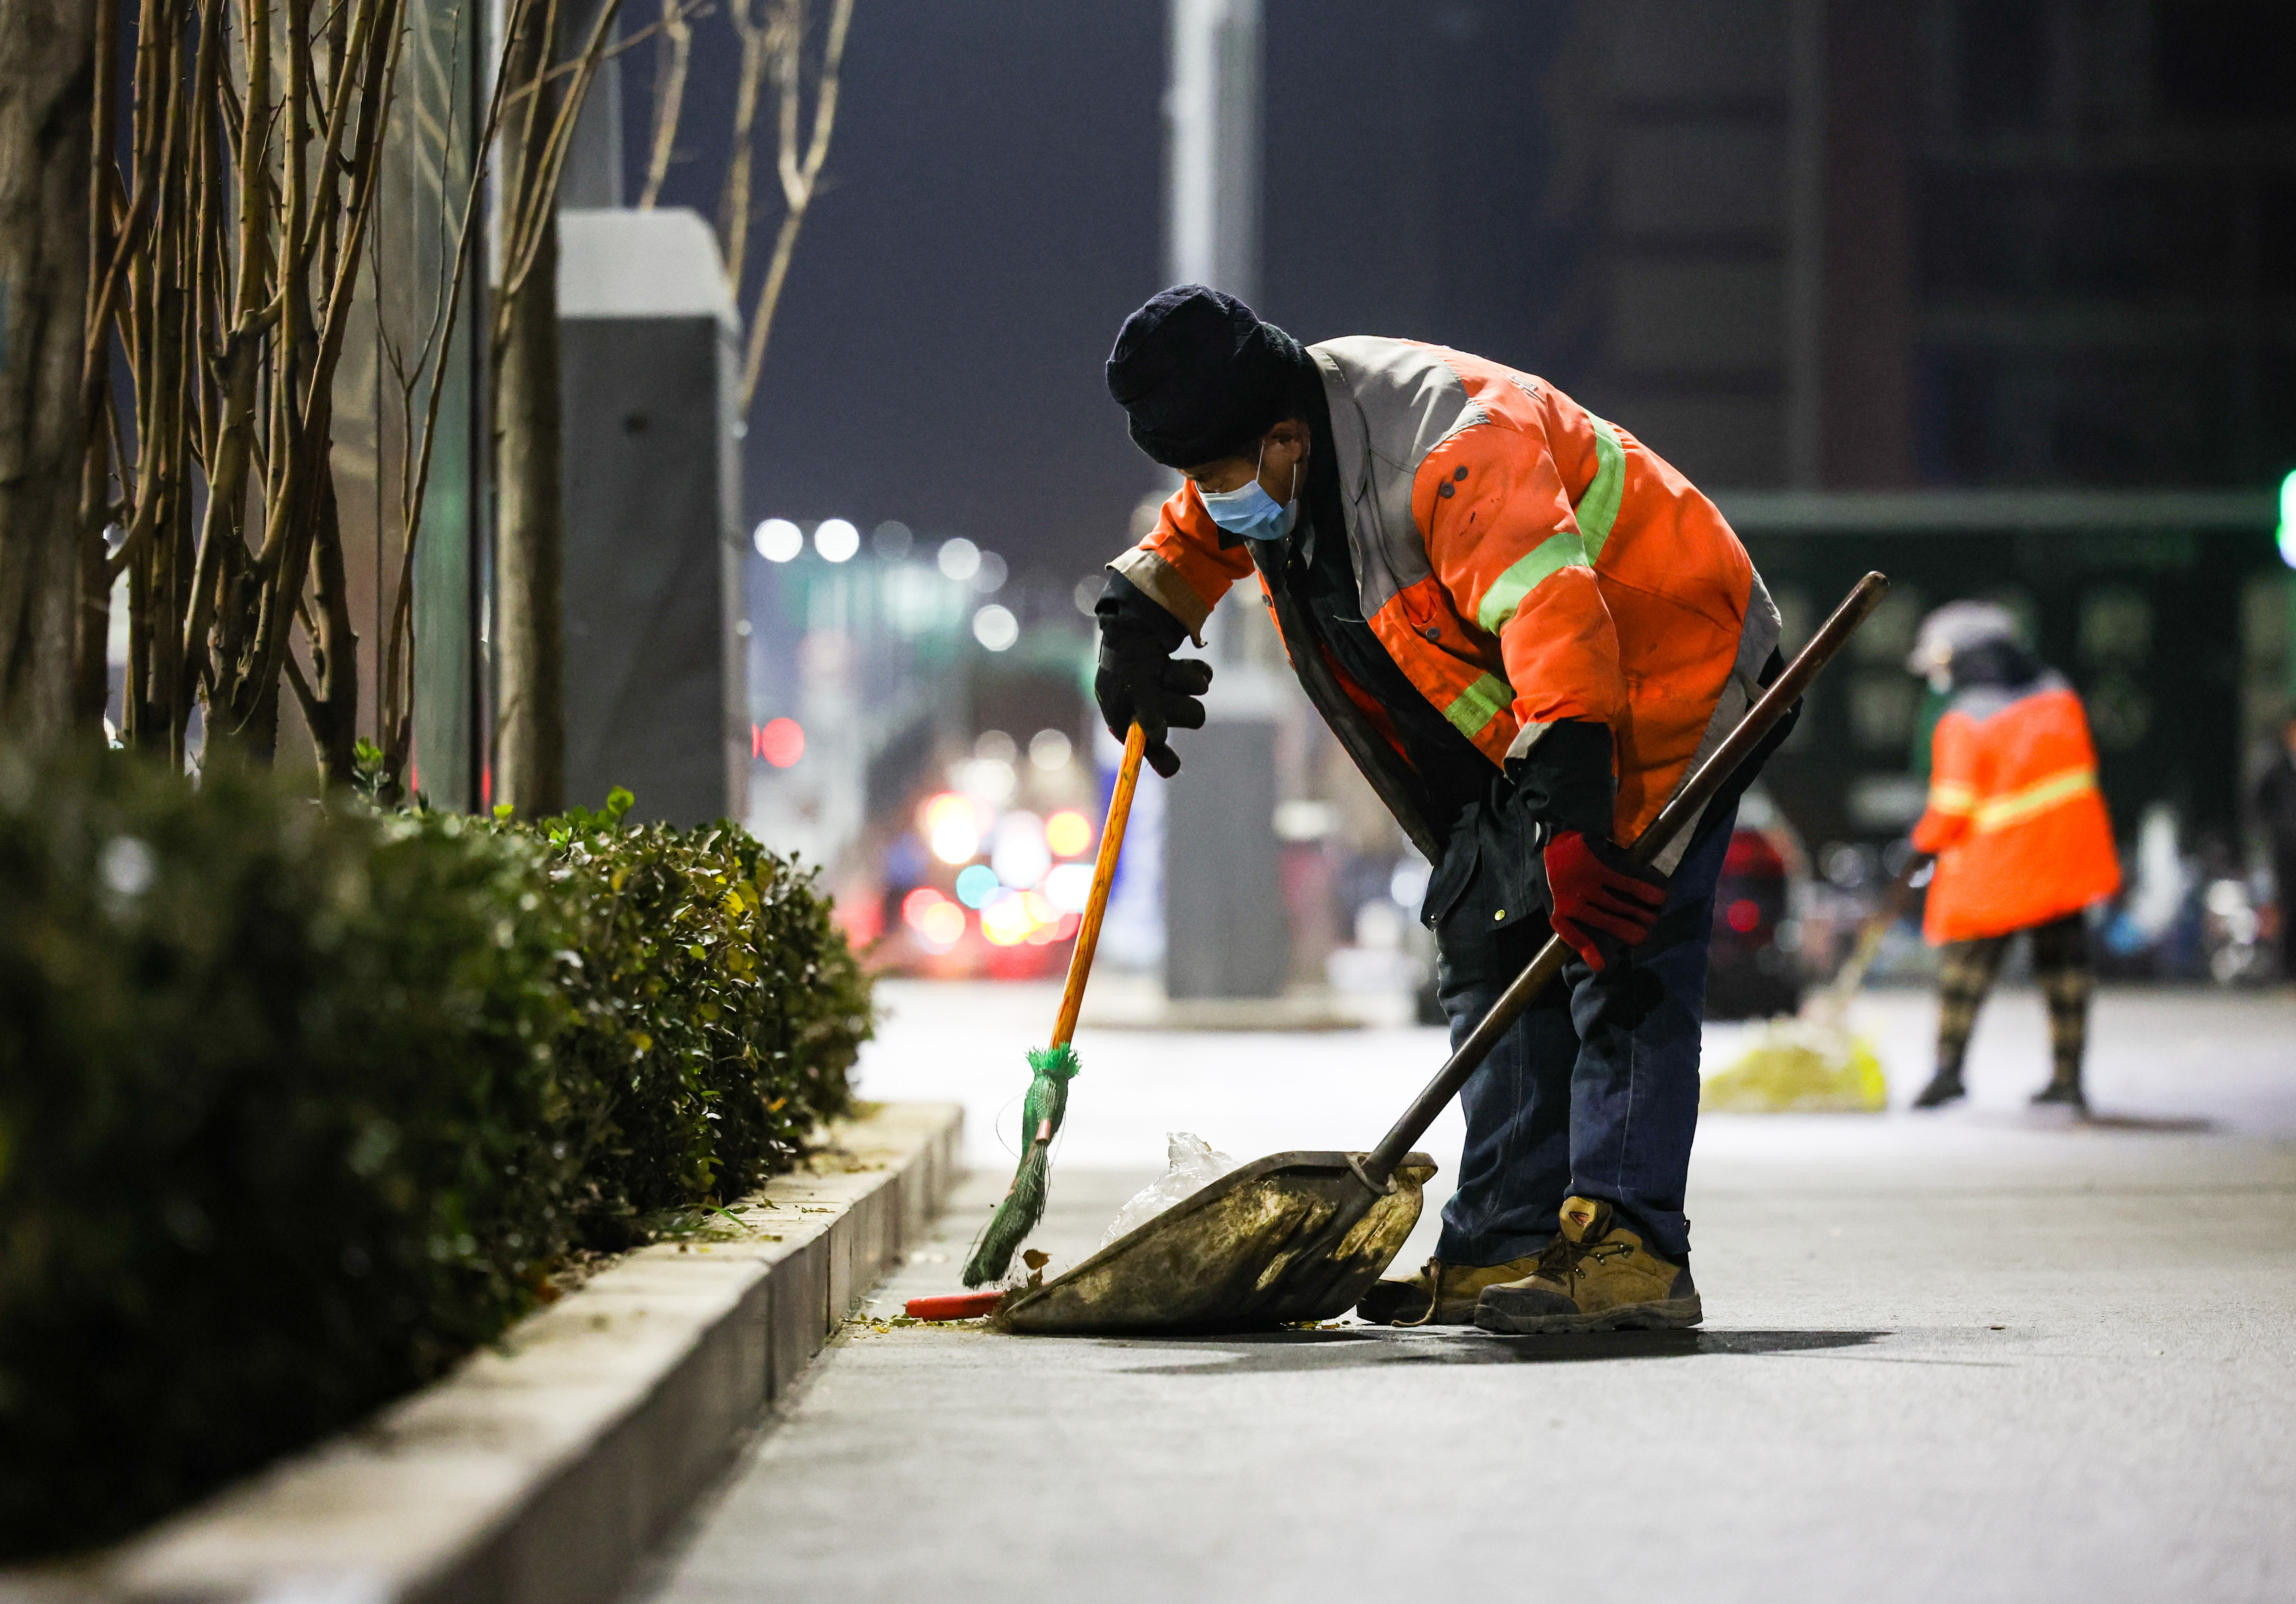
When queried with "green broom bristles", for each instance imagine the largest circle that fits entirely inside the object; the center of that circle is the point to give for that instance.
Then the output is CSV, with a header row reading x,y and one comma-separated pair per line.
x,y
1041,1113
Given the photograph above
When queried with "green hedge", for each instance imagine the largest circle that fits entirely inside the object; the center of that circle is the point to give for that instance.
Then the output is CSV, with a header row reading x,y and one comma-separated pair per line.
x,y
299,1105
716,1011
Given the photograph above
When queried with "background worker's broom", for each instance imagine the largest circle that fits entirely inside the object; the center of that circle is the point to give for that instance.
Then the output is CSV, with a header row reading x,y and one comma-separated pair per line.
x,y
1815,1063
1053,1066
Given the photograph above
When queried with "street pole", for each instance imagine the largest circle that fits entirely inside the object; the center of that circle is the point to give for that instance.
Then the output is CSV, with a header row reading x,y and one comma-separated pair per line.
x,y
1226,930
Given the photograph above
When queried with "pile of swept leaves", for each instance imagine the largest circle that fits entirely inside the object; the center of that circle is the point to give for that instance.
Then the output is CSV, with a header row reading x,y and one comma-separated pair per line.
x,y
299,1103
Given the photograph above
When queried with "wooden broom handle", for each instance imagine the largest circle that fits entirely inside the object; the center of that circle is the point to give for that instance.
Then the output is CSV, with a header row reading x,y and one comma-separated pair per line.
x,y
1103,875
1682,810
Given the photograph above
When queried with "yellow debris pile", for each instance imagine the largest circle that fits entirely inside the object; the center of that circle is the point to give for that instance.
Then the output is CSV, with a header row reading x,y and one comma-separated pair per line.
x,y
1799,1066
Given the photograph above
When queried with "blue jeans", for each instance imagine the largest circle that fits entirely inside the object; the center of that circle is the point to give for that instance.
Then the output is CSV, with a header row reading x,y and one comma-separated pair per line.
x,y
1594,1093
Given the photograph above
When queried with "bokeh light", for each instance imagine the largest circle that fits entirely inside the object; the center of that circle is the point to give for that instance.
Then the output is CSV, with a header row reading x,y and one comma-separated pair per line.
x,y
939,923
782,742
1050,750
1068,833
976,883
942,927
1069,887
996,628
2288,522
959,558
953,827
989,780
1004,920
837,540
778,540
1019,854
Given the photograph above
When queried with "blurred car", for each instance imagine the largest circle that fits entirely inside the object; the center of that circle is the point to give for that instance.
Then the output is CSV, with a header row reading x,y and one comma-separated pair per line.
x,y
1751,972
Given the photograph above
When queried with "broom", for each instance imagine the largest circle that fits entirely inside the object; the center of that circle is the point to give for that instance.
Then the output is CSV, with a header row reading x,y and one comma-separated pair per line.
x,y
1814,1063
1051,1068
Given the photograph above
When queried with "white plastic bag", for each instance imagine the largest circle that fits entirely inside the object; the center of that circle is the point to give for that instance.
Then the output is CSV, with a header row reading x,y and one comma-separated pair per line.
x,y
1191,1166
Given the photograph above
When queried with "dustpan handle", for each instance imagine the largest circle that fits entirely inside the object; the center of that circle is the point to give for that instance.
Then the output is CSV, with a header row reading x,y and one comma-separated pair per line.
x,y
1103,875
1683,807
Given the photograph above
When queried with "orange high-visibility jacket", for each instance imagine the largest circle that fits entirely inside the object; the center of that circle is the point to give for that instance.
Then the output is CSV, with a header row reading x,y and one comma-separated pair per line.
x,y
1521,560
2015,815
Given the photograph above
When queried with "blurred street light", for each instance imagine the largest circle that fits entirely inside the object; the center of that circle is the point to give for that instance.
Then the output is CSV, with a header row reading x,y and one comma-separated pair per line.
x,y
996,628
1019,855
953,827
778,539
836,539
959,558
1050,751
1069,887
781,742
1068,833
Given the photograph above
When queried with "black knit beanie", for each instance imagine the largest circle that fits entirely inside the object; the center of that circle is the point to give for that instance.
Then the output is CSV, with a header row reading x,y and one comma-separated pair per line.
x,y
1201,377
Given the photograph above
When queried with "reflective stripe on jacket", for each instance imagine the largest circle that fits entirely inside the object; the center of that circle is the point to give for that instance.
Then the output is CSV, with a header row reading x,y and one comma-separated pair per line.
x,y
1521,560
2015,818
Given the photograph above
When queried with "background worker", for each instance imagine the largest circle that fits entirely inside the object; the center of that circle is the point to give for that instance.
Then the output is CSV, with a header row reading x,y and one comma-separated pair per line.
x,y
2019,832
1525,628
2276,807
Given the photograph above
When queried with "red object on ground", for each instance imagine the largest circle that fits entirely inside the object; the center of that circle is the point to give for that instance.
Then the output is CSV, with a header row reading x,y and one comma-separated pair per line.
x,y
954,1306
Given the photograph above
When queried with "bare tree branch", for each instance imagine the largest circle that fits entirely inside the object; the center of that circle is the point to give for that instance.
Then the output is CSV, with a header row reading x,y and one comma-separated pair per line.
x,y
671,58
800,179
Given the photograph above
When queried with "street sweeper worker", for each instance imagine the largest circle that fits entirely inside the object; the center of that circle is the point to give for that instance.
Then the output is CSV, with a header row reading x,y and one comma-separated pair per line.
x,y
2022,841
1526,627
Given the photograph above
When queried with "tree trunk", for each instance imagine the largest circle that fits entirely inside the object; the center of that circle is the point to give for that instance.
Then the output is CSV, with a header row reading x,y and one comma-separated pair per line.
x,y
333,712
46,90
530,769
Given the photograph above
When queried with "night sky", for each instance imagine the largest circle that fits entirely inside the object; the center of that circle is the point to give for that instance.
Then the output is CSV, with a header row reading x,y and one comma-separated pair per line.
x,y
992,212
995,209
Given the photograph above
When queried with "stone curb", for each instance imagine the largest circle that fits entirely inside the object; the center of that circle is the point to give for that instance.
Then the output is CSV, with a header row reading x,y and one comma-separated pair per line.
x,y
542,1470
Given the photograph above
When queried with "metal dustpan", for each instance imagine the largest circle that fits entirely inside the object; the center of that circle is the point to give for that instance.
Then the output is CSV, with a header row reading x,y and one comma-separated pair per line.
x,y
1289,1238
1299,1236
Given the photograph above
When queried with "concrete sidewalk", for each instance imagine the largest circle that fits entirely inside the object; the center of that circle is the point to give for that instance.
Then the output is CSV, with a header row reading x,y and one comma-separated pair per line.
x,y
1968,1358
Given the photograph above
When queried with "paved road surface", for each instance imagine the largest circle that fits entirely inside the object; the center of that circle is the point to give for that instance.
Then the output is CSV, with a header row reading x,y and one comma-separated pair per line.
x,y
1970,1358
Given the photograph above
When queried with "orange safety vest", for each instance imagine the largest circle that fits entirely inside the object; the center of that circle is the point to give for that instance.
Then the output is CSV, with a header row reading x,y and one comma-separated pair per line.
x,y
1521,560
2015,818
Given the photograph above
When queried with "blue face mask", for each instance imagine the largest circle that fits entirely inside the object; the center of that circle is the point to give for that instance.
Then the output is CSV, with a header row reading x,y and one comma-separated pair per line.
x,y
1250,511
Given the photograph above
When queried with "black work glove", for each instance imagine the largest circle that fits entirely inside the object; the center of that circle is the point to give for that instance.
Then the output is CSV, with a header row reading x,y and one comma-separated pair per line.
x,y
1139,679
1564,780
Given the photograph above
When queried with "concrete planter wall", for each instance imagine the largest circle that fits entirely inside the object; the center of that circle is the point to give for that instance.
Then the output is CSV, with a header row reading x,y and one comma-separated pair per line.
x,y
542,1469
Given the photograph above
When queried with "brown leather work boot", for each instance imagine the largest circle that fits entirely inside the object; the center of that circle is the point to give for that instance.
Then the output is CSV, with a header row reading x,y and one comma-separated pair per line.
x,y
1597,1276
1455,1288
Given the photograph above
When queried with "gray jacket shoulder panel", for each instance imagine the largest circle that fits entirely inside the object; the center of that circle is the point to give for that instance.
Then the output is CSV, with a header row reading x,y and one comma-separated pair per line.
x,y
1392,403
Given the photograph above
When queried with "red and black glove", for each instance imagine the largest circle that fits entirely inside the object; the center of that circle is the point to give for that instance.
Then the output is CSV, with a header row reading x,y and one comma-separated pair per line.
x,y
1600,895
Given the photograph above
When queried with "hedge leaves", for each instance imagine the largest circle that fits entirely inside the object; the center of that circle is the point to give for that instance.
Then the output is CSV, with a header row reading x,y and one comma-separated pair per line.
x,y
297,1105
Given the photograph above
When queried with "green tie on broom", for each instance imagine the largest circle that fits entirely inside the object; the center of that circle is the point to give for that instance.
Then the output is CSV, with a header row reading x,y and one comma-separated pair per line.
x,y
1054,1067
